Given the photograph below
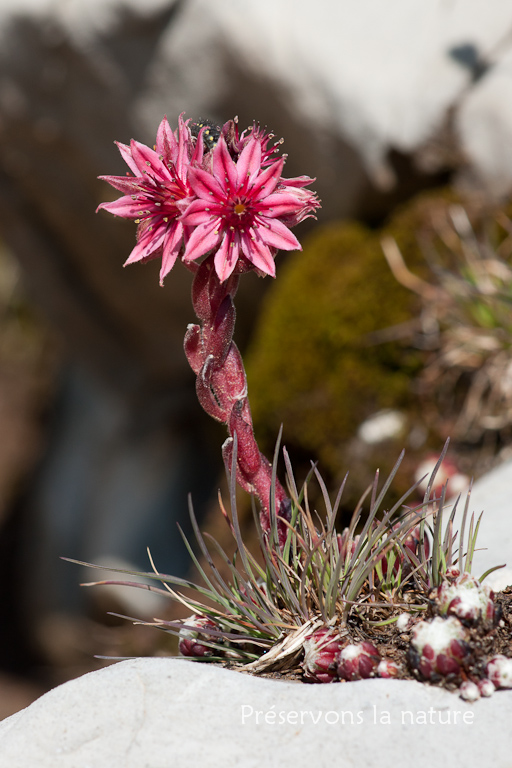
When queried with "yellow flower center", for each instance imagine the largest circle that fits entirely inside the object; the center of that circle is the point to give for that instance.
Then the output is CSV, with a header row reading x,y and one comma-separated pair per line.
x,y
239,208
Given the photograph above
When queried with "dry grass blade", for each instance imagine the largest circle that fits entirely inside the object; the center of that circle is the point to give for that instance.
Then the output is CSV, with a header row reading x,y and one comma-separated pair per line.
x,y
284,653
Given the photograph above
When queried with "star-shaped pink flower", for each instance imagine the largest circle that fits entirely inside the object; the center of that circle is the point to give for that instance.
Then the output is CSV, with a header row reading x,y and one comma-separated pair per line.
x,y
242,210
157,193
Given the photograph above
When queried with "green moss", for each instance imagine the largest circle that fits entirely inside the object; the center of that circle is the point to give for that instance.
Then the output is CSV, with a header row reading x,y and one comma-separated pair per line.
x,y
312,365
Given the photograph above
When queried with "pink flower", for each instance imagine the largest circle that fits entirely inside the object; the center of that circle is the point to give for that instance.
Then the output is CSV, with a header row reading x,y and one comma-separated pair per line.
x,y
236,141
157,193
243,210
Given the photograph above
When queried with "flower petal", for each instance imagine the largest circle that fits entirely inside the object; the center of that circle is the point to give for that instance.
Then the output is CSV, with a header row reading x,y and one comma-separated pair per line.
x,y
249,163
126,154
227,256
126,184
146,158
150,242
205,185
183,147
280,204
203,238
267,181
171,249
224,169
166,144
258,253
126,207
198,153
298,181
275,233
199,212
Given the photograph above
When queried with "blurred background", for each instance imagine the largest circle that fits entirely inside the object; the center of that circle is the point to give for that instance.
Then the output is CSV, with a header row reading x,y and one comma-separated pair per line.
x,y
394,320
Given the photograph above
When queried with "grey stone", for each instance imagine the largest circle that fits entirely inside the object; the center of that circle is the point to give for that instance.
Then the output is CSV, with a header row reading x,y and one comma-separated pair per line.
x,y
492,495
484,125
157,713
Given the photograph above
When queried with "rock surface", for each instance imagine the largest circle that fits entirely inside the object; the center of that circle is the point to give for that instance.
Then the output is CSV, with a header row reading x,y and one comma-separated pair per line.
x,y
161,712
491,495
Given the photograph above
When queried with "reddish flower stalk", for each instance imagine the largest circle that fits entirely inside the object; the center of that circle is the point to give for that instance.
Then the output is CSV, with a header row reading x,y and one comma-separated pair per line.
x,y
221,386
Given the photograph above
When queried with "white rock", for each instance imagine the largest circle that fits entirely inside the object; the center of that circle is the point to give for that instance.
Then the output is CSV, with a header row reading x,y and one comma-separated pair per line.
x,y
379,75
484,123
161,712
492,495
383,425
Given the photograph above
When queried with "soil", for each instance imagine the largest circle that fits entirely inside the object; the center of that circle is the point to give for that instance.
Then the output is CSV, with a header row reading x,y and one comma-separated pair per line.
x,y
485,641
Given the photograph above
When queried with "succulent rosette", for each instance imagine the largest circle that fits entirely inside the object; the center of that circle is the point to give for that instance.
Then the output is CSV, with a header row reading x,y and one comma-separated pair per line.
x,y
464,597
486,687
499,671
321,651
358,661
388,668
469,691
192,640
438,648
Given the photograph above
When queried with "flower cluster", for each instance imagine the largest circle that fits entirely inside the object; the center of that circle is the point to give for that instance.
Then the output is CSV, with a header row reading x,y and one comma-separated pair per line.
x,y
190,197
